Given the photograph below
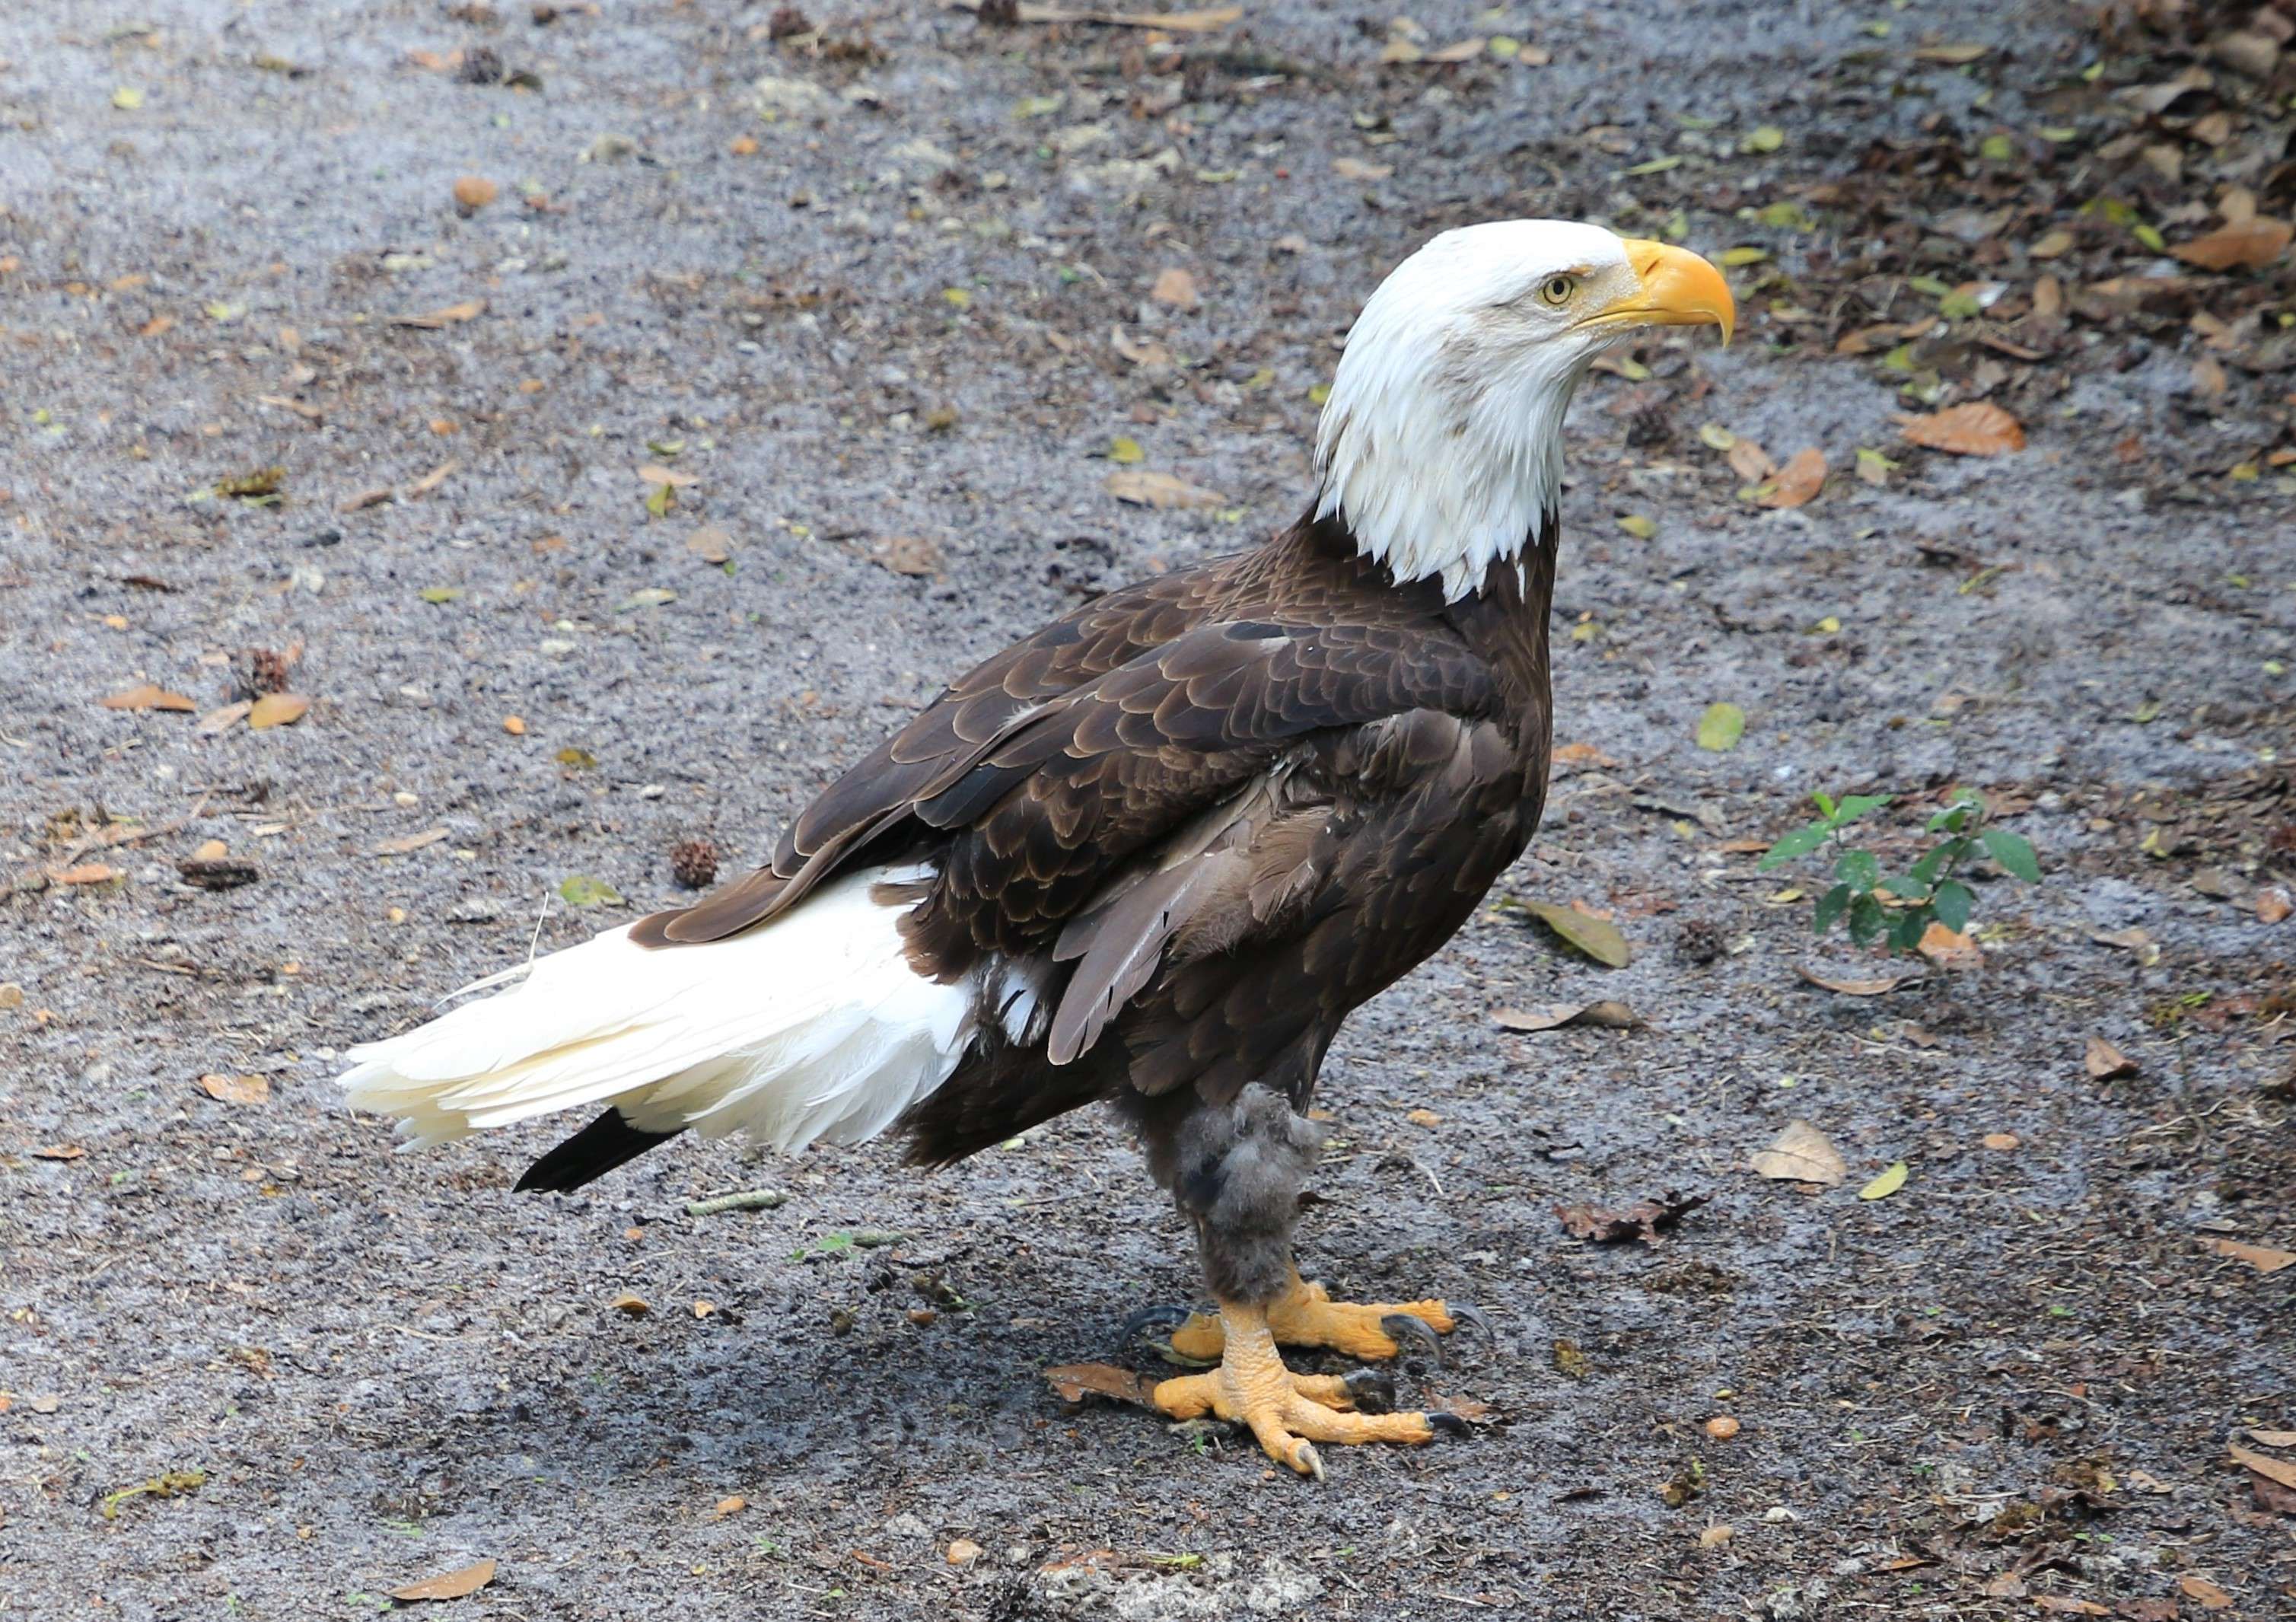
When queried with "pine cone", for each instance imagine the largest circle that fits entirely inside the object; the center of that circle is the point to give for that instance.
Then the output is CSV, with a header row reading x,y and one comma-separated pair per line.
x,y
693,862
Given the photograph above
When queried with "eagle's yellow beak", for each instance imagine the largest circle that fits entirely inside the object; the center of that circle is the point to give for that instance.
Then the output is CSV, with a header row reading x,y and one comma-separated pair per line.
x,y
1679,289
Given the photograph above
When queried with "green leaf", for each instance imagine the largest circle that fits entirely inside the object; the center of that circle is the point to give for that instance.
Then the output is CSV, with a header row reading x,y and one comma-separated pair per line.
x,y
442,593
1801,842
1887,1184
1830,907
1126,452
2014,854
1906,933
1866,921
1952,903
1763,138
1824,802
1927,869
1855,805
1641,527
1592,936
1858,869
1720,727
583,890
1911,889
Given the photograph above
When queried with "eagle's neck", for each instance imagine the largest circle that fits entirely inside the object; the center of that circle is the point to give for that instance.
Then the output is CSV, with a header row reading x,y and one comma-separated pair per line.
x,y
1442,476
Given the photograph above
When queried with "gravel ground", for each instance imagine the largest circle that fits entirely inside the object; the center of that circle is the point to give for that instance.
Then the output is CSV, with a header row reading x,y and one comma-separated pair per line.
x,y
880,300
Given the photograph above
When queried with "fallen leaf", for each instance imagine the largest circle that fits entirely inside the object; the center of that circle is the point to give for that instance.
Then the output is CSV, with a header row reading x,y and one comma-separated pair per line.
x,y
2273,905
1176,287
222,720
2066,1606
1749,460
1597,937
2002,1140
1976,428
1142,488
1580,755
733,1505
712,544
905,555
1720,727
1801,1154
406,844
451,1586
468,309
1423,1118
1607,1014
1951,55
1854,988
1794,484
277,710
149,696
1641,1220
85,873
217,873
2264,1258
1203,21
1887,1184
1570,1360
2105,1062
1356,169
630,1305
1072,1380
2197,1587
236,1089
962,1551
2274,1439
2248,244
1949,948
582,891
60,1152
432,479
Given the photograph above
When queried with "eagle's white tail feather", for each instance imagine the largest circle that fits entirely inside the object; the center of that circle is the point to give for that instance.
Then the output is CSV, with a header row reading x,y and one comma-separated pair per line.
x,y
813,1027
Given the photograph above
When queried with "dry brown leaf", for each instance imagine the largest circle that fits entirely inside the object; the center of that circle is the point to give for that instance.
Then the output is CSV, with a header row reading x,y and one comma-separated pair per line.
x,y
236,1089
1749,460
1801,1153
1597,937
1176,287
149,696
85,873
1463,51
1641,1220
222,720
2105,1062
1139,351
1204,22
1072,1380
2264,1258
2065,1606
1856,988
468,309
2273,1438
451,1586
1948,949
2273,905
1976,428
1952,56
1607,1014
2279,1471
2248,244
905,555
1422,1117
655,473
1582,754
363,499
2002,1140
712,544
277,710
1794,484
630,1305
2197,1587
60,1152
1356,169
407,843
733,1505
1142,488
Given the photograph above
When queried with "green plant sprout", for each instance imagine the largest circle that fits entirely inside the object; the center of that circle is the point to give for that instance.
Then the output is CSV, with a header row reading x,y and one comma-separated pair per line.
x,y
1929,885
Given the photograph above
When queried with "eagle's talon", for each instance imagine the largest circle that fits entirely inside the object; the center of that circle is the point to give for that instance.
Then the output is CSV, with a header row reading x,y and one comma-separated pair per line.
x,y
1154,1317
1448,1423
1466,1314
1400,1326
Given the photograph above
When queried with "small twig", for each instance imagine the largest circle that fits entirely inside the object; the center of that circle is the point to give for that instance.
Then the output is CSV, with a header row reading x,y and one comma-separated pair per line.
x,y
751,1200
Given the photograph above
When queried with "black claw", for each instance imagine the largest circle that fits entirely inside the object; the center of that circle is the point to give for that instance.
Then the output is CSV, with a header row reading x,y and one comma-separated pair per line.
x,y
1403,1326
1466,1314
1155,1317
1371,1391
1448,1423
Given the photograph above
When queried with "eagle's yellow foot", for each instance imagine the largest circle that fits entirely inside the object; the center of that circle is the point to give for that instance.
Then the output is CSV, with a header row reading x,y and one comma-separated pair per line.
x,y
1288,1412
1307,1315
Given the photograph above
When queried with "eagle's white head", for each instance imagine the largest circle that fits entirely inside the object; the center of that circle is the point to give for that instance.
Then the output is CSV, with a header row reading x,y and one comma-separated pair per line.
x,y
1441,443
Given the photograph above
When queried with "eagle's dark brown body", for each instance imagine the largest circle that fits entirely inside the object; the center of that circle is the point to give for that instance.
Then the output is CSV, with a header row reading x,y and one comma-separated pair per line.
x,y
1214,812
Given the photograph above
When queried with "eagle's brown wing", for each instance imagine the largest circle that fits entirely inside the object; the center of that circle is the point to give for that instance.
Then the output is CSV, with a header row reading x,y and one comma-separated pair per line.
x,y
938,745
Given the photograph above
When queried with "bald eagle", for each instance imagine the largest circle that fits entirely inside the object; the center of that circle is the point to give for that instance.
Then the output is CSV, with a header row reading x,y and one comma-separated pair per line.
x,y
1153,855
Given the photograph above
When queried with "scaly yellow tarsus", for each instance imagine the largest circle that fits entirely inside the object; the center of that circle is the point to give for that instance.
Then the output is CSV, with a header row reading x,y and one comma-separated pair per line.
x,y
1307,1315
1288,1413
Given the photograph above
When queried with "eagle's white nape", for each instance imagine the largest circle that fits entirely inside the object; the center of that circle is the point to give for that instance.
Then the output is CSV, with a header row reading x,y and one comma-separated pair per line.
x,y
1442,442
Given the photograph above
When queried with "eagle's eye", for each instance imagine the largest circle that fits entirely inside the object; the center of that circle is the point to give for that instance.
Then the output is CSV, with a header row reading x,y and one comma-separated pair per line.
x,y
1556,291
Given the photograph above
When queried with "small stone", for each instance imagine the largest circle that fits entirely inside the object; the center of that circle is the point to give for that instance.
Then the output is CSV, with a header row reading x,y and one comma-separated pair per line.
x,y
964,1552
12,994
474,192
1717,1538
515,726
1722,1427
730,1506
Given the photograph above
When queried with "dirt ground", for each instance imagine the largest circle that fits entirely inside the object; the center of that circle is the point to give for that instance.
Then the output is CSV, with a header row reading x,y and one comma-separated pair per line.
x,y
880,300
